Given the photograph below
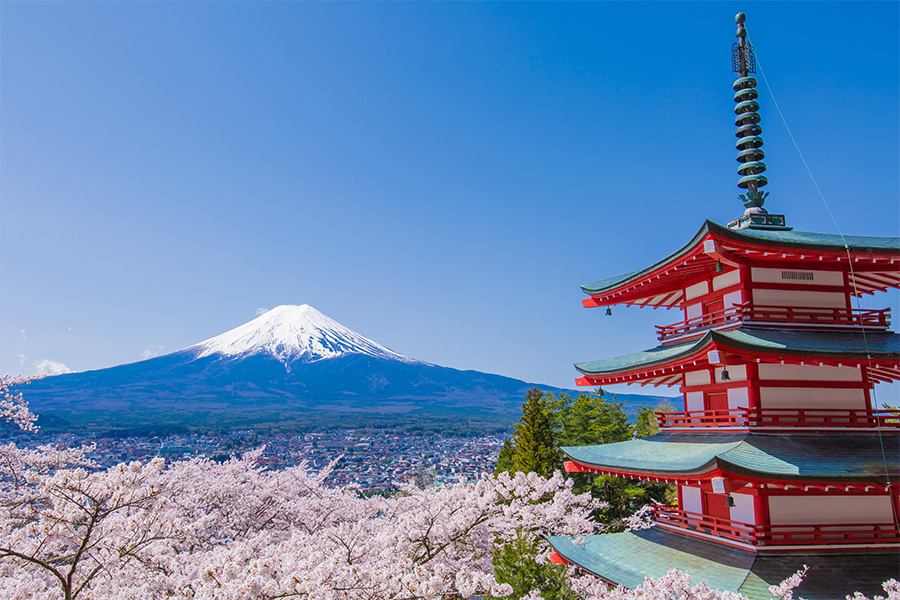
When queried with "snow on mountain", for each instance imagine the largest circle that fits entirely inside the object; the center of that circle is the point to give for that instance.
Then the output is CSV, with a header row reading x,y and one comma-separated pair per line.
x,y
293,333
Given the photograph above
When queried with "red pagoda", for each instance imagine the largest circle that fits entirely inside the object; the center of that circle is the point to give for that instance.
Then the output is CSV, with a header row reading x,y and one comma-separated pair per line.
x,y
779,457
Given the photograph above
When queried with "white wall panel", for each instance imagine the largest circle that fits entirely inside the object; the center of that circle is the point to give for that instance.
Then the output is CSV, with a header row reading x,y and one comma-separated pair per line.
x,y
694,311
726,279
810,510
696,378
732,299
691,499
694,400
799,298
812,398
696,290
738,398
742,511
809,373
762,275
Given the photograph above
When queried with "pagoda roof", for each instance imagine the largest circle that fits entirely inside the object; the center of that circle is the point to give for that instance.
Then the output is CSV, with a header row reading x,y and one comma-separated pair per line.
x,y
628,558
660,285
794,457
664,364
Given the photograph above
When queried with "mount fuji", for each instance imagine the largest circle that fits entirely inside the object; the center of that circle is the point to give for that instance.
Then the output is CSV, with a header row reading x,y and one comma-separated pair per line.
x,y
293,334
292,367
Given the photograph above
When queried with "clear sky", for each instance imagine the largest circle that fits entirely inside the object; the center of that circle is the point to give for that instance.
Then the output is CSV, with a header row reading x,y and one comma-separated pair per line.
x,y
440,177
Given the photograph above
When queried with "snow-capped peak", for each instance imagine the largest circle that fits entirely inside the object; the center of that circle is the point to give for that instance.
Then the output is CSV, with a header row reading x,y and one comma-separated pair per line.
x,y
290,333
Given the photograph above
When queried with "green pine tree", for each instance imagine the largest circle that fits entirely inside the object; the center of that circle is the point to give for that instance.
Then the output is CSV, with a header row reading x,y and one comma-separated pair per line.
x,y
532,448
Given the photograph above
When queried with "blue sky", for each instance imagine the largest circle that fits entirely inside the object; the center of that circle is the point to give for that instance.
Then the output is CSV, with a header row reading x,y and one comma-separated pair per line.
x,y
440,177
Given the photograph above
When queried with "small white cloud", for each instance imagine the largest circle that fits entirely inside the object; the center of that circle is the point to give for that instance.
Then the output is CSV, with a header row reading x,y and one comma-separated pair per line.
x,y
261,311
22,358
69,328
50,367
152,351
24,337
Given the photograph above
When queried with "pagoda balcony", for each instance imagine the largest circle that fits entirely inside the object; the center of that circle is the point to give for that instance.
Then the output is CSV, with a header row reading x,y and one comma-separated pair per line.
x,y
779,418
776,536
777,316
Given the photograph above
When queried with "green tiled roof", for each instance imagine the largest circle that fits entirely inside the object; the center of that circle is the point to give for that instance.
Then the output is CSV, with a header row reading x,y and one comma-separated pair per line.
x,y
819,343
808,239
654,356
808,343
791,239
628,558
813,457
661,453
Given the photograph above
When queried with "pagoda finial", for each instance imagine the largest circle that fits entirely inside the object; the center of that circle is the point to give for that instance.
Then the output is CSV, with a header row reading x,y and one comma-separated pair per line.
x,y
750,141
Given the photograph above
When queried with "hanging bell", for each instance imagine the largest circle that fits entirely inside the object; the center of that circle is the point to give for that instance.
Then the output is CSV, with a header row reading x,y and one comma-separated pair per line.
x,y
719,267
725,375
608,311
729,501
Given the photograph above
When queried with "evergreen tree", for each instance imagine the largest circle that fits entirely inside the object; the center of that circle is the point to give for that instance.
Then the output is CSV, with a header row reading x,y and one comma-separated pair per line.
x,y
647,424
515,564
533,447
589,419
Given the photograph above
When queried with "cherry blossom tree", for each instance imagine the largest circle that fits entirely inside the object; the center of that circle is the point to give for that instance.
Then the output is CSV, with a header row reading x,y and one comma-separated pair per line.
x,y
204,530
201,529
13,408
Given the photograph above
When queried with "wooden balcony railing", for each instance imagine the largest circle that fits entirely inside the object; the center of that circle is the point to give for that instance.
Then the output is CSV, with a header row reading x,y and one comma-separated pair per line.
x,y
796,418
696,522
778,316
777,535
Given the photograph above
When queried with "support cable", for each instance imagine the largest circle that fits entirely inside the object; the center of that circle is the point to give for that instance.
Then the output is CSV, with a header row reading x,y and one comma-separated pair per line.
x,y
856,291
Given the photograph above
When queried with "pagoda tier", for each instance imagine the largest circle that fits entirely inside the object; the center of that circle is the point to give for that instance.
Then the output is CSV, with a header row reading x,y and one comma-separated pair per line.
x,y
779,456
741,490
757,267
765,379
628,558
855,357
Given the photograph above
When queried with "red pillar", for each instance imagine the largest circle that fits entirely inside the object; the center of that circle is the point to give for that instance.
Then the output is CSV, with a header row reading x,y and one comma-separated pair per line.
x,y
753,385
761,507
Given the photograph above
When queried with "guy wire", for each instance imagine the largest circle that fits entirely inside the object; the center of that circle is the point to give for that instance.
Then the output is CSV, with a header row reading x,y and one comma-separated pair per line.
x,y
852,279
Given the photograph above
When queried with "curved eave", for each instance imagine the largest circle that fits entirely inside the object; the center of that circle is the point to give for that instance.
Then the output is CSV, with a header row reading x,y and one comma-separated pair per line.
x,y
875,262
629,557
665,454
654,286
806,240
879,353
852,458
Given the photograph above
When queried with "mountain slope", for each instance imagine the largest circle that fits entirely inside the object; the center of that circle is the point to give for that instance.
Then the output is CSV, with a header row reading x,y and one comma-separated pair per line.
x,y
291,366
291,334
